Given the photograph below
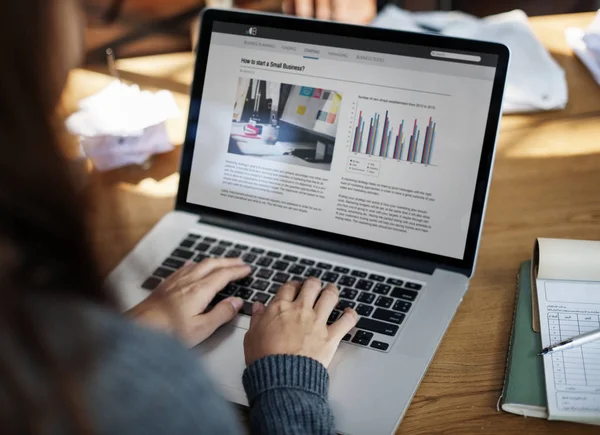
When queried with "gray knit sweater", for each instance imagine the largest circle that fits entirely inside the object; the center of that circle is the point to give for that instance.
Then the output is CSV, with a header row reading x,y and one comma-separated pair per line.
x,y
145,382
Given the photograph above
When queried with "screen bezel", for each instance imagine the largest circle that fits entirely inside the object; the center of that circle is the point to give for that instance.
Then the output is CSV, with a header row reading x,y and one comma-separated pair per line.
x,y
361,248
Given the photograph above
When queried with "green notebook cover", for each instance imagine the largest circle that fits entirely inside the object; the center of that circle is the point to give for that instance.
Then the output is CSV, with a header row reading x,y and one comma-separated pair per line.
x,y
524,390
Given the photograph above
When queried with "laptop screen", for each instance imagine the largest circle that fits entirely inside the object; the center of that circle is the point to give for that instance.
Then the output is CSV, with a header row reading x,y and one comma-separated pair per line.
x,y
375,140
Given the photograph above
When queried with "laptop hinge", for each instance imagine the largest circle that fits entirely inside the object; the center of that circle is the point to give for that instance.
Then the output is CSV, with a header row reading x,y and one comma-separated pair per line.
x,y
349,249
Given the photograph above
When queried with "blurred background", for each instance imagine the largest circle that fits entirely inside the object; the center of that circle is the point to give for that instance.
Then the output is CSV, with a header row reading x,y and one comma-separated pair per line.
x,y
144,27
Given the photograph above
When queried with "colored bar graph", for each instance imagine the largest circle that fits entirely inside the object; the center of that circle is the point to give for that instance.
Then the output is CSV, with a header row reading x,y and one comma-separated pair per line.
x,y
386,139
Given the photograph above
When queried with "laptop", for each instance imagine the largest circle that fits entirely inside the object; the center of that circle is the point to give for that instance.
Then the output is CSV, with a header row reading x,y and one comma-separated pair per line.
x,y
358,155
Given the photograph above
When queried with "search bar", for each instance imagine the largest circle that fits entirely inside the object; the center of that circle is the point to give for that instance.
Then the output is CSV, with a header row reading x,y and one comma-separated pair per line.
x,y
446,55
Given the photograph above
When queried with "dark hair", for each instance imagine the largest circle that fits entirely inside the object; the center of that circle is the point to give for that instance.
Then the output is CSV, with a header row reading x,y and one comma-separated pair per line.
x,y
44,246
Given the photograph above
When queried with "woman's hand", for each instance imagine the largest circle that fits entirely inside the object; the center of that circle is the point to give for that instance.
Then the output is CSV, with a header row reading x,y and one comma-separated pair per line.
x,y
178,304
295,323
350,11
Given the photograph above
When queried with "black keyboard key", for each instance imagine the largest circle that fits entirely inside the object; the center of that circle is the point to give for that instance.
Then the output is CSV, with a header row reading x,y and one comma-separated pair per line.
x,y
187,243
395,281
347,281
330,277
359,274
388,316
348,293
244,293
280,265
297,278
382,289
307,262
264,261
264,273
249,258
362,337
233,253
367,298
151,283
379,345
341,269
209,240
173,263
408,295
378,278
217,250
245,282
230,290
413,286
401,306
347,337
202,247
364,310
314,272
363,284
377,326
324,266
290,258
257,250
384,302
296,269
183,253
343,304
261,297
334,316
193,236
241,247
200,257
225,243
274,288
260,284
273,254
218,298
163,272
246,308
281,277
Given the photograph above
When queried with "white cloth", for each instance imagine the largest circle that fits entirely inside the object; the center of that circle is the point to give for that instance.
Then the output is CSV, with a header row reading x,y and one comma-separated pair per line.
x,y
586,45
122,125
535,81
392,17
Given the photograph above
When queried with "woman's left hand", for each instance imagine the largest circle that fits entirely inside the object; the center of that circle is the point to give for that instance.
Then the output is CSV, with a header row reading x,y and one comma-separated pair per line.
x,y
178,304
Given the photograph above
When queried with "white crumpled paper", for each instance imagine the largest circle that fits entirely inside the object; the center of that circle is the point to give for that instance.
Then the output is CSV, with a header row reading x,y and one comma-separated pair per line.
x,y
586,45
122,125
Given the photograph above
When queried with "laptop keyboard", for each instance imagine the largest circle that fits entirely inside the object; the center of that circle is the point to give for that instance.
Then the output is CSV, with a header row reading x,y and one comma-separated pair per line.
x,y
382,302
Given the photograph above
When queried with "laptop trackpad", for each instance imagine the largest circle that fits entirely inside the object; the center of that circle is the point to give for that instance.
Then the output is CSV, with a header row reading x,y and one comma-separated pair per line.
x,y
223,357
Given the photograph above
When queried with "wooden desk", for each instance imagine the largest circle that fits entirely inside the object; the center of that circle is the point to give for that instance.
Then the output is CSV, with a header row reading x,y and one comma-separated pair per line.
x,y
546,183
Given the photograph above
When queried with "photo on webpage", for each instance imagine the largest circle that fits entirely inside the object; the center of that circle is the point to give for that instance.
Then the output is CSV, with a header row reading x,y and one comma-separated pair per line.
x,y
286,123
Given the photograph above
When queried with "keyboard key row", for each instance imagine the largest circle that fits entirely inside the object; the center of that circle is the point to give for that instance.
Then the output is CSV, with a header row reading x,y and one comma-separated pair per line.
x,y
205,244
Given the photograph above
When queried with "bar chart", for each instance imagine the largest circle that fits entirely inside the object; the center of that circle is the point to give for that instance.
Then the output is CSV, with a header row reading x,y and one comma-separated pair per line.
x,y
403,139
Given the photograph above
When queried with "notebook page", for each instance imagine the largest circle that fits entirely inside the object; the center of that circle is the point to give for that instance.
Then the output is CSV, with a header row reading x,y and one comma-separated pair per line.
x,y
567,309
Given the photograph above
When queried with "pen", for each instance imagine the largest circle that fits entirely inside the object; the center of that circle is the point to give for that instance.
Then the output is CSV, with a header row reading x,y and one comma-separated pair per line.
x,y
570,343
112,67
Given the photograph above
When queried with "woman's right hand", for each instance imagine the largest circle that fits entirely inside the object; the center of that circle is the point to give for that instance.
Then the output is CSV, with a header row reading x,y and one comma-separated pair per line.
x,y
295,323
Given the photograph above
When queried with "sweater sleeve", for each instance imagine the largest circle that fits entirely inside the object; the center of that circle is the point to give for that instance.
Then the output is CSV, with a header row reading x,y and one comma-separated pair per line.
x,y
288,396
146,383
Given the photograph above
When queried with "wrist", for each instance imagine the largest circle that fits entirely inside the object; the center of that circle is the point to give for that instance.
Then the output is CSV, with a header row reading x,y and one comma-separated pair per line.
x,y
285,371
149,317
